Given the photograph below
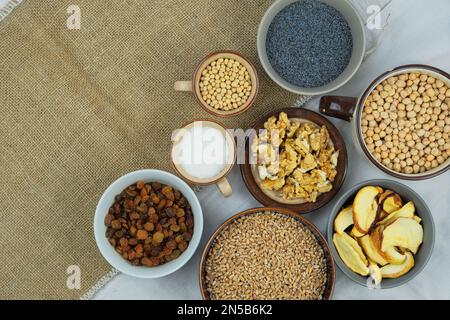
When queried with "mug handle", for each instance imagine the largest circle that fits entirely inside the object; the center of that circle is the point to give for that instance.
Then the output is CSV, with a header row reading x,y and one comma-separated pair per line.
x,y
224,187
338,106
183,86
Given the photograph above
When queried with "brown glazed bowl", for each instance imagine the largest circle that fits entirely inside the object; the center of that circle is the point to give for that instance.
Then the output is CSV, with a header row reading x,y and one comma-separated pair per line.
x,y
249,171
328,293
351,109
194,84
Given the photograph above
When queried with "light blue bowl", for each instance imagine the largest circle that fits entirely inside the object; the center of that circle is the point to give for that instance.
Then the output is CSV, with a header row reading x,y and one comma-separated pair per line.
x,y
407,194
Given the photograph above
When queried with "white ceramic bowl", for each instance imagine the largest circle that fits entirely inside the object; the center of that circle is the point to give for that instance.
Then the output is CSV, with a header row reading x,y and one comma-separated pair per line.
x,y
359,44
107,199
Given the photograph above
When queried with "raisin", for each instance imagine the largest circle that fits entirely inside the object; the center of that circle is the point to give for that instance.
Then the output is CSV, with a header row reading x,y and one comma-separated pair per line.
x,y
134,216
118,234
142,234
156,185
167,191
187,236
182,246
115,224
149,226
154,198
171,212
171,244
147,262
140,184
155,251
108,219
139,248
180,212
161,204
131,193
158,237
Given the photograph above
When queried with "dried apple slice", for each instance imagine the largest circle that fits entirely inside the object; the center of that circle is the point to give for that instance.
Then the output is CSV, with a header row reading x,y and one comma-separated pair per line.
x,y
354,244
349,255
391,255
407,211
371,251
397,270
343,220
375,273
365,207
403,232
355,233
391,202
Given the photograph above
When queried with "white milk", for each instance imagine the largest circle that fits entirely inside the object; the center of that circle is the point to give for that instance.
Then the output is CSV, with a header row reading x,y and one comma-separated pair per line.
x,y
202,152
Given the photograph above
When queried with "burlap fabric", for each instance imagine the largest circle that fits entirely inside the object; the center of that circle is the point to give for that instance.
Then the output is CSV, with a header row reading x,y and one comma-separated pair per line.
x,y
79,108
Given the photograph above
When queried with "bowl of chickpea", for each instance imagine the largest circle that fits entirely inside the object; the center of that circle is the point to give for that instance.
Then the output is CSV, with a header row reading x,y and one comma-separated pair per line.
x,y
401,122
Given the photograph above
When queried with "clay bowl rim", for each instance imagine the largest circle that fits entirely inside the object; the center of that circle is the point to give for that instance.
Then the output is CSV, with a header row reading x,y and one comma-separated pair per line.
x,y
323,199
331,268
253,76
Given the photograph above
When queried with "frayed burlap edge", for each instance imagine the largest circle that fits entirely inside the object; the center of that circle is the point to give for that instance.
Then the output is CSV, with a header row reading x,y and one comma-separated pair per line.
x,y
100,284
111,274
8,8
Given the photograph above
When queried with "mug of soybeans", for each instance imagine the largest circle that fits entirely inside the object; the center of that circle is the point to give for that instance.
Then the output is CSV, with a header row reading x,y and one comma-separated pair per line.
x,y
401,122
225,83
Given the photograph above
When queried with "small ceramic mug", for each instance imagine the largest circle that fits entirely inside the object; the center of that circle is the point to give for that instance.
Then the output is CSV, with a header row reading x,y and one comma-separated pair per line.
x,y
194,84
229,155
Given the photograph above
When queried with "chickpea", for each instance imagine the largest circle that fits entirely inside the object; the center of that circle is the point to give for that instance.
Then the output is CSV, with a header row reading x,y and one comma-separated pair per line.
x,y
409,169
411,114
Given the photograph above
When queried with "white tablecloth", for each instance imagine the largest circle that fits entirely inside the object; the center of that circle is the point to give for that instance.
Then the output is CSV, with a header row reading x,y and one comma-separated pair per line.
x,y
418,32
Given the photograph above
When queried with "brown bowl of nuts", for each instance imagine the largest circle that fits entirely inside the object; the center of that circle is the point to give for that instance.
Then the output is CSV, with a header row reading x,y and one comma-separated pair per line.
x,y
267,253
225,83
402,121
294,158
148,223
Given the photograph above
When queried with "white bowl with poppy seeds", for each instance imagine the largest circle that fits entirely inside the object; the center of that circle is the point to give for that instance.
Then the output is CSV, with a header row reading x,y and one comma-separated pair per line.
x,y
322,60
107,199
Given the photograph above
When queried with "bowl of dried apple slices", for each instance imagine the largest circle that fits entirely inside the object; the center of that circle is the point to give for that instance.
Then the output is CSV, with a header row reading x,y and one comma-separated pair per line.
x,y
381,233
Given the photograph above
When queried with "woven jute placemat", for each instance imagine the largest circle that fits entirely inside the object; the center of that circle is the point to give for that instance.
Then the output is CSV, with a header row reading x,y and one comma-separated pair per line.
x,y
79,108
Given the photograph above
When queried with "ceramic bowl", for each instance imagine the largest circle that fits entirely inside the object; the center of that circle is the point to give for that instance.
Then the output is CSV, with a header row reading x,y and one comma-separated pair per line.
x,y
407,194
331,274
359,44
351,109
252,180
107,199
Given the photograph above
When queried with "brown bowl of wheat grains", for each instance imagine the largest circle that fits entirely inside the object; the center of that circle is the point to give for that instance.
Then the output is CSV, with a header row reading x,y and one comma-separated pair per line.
x,y
267,254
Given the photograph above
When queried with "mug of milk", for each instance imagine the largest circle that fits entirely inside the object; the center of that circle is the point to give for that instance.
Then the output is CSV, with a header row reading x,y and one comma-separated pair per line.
x,y
203,153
